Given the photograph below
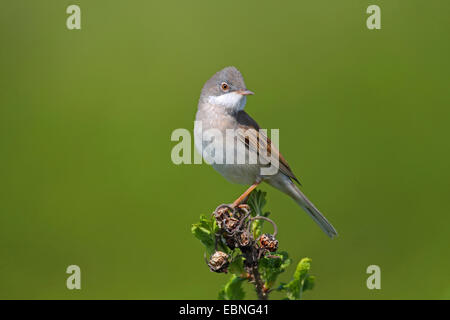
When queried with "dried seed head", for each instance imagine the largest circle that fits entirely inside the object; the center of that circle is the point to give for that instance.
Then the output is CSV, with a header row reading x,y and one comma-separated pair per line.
x,y
218,262
231,224
268,242
244,239
220,214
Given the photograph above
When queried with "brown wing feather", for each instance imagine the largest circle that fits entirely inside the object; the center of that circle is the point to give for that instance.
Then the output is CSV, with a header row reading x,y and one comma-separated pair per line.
x,y
255,138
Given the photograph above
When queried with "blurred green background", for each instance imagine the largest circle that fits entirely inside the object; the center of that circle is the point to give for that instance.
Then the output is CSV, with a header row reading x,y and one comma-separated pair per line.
x,y
86,118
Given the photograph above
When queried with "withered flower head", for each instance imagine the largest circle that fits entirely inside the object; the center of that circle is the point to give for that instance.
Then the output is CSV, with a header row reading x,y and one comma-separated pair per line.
x,y
268,242
244,239
231,224
218,262
220,214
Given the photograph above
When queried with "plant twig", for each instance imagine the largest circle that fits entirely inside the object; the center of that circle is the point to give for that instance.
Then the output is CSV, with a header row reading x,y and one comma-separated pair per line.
x,y
235,224
236,244
259,285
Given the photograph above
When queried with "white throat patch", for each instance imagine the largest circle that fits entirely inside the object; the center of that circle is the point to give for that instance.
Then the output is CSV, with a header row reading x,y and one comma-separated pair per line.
x,y
231,100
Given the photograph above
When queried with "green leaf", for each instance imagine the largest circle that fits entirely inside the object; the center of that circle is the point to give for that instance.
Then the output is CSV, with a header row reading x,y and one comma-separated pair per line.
x,y
309,283
237,263
301,282
302,269
270,268
257,201
232,289
204,231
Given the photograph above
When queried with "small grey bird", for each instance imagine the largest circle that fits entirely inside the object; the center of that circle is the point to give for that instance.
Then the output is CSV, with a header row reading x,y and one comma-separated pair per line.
x,y
221,109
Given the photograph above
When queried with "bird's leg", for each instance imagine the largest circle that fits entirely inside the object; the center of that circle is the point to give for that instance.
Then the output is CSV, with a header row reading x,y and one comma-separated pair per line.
x,y
239,200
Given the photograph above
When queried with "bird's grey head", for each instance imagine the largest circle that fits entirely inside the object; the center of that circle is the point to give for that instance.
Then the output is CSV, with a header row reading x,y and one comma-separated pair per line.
x,y
226,89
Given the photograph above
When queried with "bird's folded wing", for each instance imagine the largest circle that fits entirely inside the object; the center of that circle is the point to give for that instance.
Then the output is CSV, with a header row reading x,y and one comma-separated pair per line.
x,y
256,141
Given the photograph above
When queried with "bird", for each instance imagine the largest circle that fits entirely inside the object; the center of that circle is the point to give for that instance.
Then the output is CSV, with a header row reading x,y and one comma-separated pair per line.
x,y
221,111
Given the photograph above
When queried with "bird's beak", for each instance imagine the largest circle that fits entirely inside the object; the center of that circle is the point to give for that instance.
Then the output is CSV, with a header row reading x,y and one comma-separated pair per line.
x,y
245,92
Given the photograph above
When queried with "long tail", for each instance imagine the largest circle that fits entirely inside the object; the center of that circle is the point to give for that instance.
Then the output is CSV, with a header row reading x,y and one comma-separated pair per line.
x,y
294,192
318,217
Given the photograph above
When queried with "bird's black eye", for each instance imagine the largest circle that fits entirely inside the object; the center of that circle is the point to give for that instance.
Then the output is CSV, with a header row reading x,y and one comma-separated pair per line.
x,y
224,86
